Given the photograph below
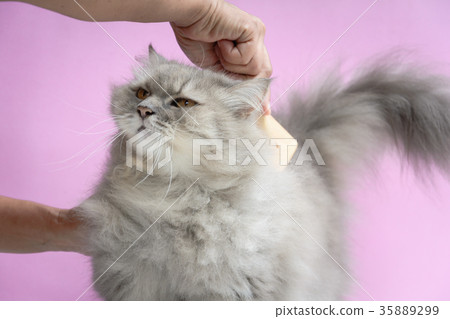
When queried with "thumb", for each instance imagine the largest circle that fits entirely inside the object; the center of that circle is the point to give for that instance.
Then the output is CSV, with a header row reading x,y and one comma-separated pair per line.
x,y
234,52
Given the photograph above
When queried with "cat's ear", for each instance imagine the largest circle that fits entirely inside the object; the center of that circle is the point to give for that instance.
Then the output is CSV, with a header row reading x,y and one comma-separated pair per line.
x,y
247,96
153,56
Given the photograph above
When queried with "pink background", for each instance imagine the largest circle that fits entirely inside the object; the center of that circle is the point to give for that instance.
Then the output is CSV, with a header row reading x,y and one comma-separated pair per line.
x,y
55,74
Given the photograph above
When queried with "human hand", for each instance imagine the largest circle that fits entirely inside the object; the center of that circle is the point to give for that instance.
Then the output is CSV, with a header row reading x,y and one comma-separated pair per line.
x,y
212,33
226,38
29,227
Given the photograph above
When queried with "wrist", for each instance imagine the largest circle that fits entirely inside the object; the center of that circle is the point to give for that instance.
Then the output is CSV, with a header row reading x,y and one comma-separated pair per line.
x,y
194,11
65,232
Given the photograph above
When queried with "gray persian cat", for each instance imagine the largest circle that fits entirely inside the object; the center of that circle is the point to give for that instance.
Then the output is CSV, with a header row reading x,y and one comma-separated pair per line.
x,y
246,231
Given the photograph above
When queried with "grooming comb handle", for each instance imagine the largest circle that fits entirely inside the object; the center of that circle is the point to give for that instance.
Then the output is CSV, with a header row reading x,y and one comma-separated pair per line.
x,y
279,137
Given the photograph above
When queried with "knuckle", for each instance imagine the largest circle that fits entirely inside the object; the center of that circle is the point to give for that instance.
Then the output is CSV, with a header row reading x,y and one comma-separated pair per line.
x,y
260,26
247,27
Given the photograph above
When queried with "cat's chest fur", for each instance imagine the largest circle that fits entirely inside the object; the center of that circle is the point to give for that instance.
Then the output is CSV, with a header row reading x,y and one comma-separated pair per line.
x,y
204,245
218,250
201,244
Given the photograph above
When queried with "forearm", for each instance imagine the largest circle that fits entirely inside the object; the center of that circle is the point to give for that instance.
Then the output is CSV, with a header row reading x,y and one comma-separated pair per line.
x,y
28,227
182,12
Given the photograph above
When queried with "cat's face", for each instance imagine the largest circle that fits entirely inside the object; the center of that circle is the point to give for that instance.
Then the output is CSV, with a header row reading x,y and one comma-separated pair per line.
x,y
186,103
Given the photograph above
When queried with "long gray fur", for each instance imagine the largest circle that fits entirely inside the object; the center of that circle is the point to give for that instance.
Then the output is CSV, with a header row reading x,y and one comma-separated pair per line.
x,y
221,232
388,104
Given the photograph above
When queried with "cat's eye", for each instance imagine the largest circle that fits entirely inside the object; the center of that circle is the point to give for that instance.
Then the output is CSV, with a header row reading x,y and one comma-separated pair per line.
x,y
182,102
142,94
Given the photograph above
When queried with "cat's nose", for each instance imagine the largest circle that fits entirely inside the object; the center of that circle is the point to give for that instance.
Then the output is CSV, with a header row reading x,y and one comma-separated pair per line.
x,y
144,112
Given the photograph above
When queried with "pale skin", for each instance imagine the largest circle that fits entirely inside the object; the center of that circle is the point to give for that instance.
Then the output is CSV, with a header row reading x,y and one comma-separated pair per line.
x,y
212,33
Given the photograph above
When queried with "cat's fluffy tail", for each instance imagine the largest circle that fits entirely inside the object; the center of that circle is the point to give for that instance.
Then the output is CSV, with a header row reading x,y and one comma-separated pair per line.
x,y
389,104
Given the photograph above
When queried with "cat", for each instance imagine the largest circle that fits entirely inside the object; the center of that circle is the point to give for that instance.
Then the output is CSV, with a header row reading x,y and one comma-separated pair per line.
x,y
248,231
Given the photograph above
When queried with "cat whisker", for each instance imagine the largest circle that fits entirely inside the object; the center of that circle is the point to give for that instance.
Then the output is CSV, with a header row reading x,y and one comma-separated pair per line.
x,y
114,116
94,133
92,113
119,107
97,149
77,153
110,141
97,124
